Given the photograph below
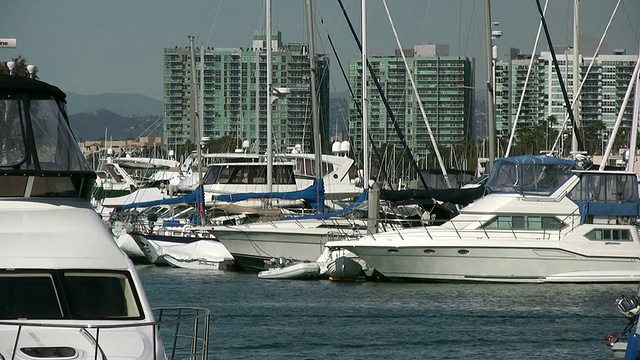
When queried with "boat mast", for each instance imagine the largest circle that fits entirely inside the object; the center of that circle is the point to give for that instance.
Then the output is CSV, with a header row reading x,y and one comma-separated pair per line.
x,y
269,100
197,131
490,114
363,101
201,93
576,74
634,124
315,116
417,97
563,88
616,126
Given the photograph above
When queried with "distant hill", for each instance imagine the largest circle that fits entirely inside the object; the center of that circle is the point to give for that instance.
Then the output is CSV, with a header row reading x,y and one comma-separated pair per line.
x,y
92,125
121,104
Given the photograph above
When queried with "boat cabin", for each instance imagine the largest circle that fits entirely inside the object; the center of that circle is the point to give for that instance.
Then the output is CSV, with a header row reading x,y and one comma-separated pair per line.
x,y
39,156
249,173
529,175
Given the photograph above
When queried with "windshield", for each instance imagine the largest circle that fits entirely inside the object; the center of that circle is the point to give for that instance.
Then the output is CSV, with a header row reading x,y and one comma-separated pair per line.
x,y
53,146
68,294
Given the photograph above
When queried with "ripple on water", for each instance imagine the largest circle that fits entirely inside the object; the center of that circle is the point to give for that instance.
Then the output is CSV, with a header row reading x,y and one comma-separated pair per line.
x,y
255,318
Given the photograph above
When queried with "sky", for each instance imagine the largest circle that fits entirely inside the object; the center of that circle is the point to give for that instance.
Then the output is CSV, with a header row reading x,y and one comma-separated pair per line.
x,y
93,47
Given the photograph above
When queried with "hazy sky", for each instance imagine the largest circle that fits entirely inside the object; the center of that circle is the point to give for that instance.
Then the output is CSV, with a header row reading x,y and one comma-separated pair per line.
x,y
116,46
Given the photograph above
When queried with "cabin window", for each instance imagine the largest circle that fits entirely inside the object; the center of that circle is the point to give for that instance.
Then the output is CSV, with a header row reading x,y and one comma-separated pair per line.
x,y
12,144
82,295
307,167
17,300
55,145
499,222
249,174
519,222
524,222
609,235
93,296
535,222
551,223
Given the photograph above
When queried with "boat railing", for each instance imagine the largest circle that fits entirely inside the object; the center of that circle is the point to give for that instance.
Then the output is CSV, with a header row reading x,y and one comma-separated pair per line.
x,y
571,220
481,231
184,332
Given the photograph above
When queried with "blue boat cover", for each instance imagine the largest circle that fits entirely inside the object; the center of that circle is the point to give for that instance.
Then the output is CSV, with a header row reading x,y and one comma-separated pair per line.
x,y
190,198
529,174
606,194
314,195
323,216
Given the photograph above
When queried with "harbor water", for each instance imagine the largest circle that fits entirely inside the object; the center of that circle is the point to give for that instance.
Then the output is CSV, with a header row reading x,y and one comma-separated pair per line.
x,y
254,318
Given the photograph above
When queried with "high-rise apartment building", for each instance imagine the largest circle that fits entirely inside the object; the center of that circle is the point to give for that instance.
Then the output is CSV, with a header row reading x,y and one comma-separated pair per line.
x,y
600,98
235,99
445,87
510,75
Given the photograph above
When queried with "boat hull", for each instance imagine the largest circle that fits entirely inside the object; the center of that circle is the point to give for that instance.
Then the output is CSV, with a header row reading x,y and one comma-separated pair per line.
x,y
298,271
252,248
130,247
198,264
523,264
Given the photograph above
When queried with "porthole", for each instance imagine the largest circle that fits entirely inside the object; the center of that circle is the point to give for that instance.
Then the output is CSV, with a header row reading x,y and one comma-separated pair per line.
x,y
335,176
429,251
463,252
393,251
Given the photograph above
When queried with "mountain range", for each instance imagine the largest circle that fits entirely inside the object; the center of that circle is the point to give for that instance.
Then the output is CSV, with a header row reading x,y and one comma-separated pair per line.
x,y
129,116
121,104
95,124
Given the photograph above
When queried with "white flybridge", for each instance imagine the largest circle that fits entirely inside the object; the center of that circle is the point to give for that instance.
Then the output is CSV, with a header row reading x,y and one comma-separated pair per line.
x,y
242,172
544,220
68,291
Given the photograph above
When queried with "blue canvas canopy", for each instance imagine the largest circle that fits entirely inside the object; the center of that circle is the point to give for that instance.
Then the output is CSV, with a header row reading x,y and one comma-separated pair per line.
x,y
324,216
529,174
606,194
314,195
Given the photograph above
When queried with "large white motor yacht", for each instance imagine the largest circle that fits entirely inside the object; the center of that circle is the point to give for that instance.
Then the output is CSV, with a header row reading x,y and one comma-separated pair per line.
x,y
543,220
242,172
68,291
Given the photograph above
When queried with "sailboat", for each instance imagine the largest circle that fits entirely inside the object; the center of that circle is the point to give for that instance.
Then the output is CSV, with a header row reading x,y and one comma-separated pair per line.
x,y
263,245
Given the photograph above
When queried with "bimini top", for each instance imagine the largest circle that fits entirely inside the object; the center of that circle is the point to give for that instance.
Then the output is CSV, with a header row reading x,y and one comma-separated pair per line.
x,y
39,156
25,85
529,174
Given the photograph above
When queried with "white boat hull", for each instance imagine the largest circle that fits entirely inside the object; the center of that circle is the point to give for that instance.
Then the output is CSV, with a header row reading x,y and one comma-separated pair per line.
x,y
533,262
151,249
201,255
129,246
196,264
252,244
309,270
114,343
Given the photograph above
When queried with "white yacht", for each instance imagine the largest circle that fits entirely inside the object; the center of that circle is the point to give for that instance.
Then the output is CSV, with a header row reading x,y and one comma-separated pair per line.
x,y
543,220
256,246
68,291
242,172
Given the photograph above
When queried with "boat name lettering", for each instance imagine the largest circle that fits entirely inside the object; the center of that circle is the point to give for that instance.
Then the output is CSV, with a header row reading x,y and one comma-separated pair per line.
x,y
611,243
